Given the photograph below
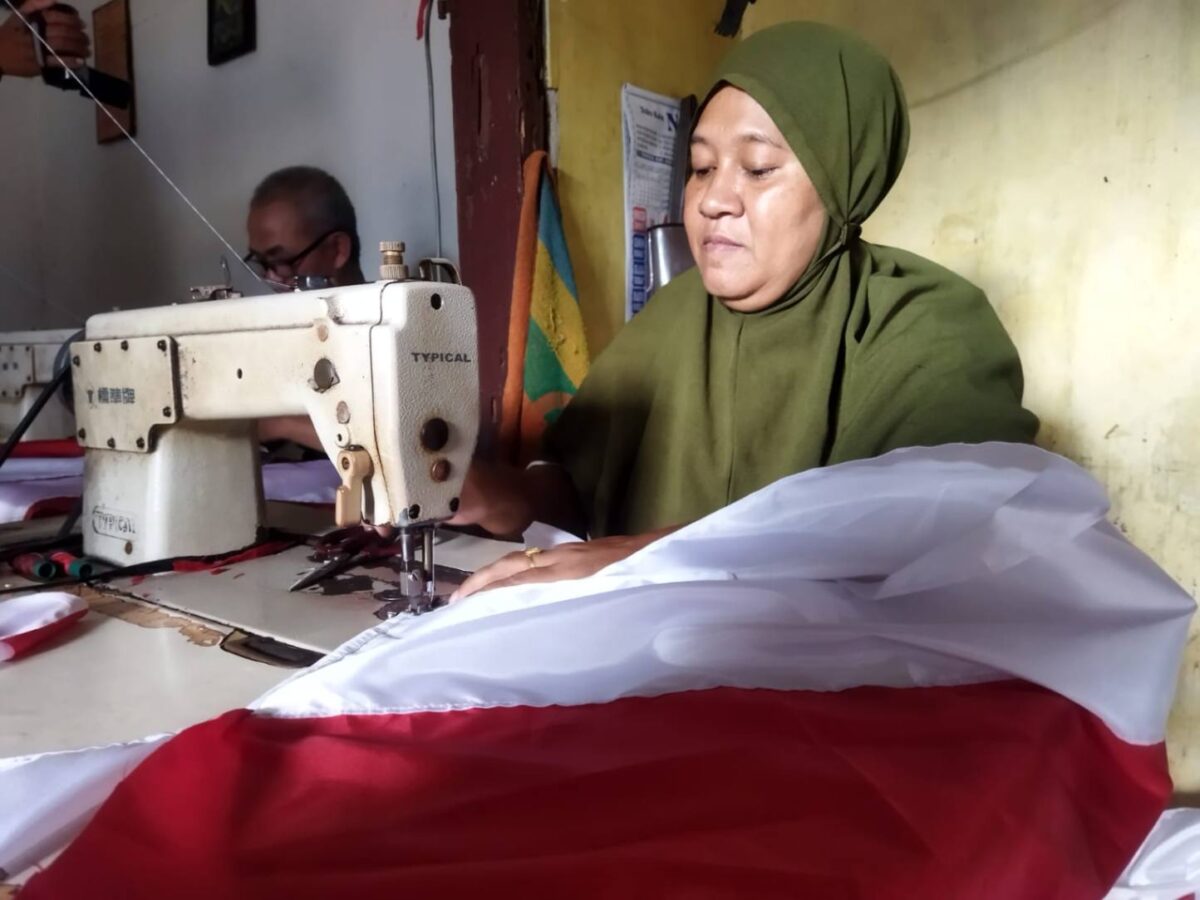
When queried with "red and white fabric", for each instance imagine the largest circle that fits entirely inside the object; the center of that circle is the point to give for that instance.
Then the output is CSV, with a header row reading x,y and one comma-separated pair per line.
x,y
23,500
32,487
29,620
35,486
940,673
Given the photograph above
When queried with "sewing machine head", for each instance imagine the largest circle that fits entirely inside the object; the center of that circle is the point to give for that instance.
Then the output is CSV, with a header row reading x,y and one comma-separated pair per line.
x,y
26,368
166,400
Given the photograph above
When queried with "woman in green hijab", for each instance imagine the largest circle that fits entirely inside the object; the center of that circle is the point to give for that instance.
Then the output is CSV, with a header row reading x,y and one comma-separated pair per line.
x,y
792,344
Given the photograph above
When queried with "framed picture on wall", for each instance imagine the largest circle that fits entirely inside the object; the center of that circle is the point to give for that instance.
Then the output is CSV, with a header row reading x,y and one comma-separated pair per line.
x,y
231,30
114,56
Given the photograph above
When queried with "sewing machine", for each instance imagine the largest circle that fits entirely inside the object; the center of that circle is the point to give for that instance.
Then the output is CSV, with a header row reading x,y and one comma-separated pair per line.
x,y
166,401
26,367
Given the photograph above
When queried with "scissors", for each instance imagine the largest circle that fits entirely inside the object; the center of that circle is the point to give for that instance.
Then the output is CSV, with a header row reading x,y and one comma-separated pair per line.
x,y
348,547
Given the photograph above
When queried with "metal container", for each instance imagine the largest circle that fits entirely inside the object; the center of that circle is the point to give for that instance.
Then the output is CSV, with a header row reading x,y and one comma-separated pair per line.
x,y
669,255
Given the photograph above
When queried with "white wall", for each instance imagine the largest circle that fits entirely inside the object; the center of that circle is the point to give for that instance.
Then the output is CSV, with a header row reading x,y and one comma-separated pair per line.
x,y
20,257
85,227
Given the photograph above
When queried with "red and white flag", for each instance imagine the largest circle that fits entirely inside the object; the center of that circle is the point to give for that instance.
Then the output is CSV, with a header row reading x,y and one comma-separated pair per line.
x,y
940,673
26,622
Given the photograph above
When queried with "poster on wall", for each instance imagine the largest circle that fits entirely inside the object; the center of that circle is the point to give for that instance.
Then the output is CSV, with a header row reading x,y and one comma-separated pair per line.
x,y
649,122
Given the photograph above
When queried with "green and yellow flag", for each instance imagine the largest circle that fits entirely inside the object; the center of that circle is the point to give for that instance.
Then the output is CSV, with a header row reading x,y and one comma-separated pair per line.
x,y
547,349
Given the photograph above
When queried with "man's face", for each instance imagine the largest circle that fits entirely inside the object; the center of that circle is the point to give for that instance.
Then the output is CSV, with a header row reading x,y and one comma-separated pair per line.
x,y
278,235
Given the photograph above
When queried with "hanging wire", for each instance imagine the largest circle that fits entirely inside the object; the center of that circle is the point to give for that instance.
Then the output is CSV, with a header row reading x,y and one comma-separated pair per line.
x,y
155,166
433,154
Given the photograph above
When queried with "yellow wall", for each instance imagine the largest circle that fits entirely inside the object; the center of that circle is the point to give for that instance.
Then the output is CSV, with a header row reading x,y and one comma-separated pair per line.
x,y
1054,162
594,47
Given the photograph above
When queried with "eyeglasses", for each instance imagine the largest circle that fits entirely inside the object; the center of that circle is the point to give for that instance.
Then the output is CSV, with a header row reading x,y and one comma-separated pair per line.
x,y
283,269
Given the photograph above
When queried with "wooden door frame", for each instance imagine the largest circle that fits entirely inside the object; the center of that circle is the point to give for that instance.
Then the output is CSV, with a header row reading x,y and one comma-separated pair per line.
x,y
498,92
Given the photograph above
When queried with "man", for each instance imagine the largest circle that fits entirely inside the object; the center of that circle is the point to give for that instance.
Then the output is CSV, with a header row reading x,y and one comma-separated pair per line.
x,y
302,223
64,33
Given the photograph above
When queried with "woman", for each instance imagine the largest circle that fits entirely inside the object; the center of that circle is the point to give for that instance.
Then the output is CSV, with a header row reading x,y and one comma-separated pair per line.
x,y
792,344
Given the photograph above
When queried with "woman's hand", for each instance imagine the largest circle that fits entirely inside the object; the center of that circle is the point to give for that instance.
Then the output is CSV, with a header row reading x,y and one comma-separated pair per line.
x,y
506,500
562,563
494,497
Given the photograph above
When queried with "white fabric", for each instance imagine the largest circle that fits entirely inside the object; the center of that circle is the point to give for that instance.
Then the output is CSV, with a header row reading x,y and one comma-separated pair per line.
x,y
312,481
41,467
545,536
1167,866
31,612
924,567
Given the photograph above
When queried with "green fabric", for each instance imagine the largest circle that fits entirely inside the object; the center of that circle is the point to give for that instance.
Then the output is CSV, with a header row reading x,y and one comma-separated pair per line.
x,y
694,406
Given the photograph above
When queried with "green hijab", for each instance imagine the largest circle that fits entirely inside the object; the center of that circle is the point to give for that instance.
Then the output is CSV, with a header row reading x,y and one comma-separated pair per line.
x,y
693,405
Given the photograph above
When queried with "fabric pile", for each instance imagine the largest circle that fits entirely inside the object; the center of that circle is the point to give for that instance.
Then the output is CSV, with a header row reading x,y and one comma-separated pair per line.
x,y
888,678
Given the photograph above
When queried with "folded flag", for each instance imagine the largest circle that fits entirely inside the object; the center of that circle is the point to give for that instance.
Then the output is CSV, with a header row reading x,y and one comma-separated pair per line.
x,y
547,349
27,621
939,673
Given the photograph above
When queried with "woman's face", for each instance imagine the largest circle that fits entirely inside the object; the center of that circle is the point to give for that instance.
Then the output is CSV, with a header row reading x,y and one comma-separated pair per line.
x,y
753,218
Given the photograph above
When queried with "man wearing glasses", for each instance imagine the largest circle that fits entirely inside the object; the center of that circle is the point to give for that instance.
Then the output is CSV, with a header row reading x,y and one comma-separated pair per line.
x,y
303,235
302,230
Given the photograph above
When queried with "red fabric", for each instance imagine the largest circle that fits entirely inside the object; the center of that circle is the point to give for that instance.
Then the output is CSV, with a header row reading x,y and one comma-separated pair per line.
x,y
999,790
27,640
257,551
56,448
51,506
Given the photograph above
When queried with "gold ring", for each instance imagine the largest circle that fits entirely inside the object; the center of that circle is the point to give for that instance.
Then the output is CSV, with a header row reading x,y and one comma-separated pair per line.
x,y
530,554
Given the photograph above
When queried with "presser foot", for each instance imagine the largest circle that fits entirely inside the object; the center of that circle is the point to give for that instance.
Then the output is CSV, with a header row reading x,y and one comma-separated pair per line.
x,y
416,605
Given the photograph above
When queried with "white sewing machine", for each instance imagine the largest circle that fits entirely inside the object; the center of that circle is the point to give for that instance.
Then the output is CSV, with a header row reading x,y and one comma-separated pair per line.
x,y
166,400
26,367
